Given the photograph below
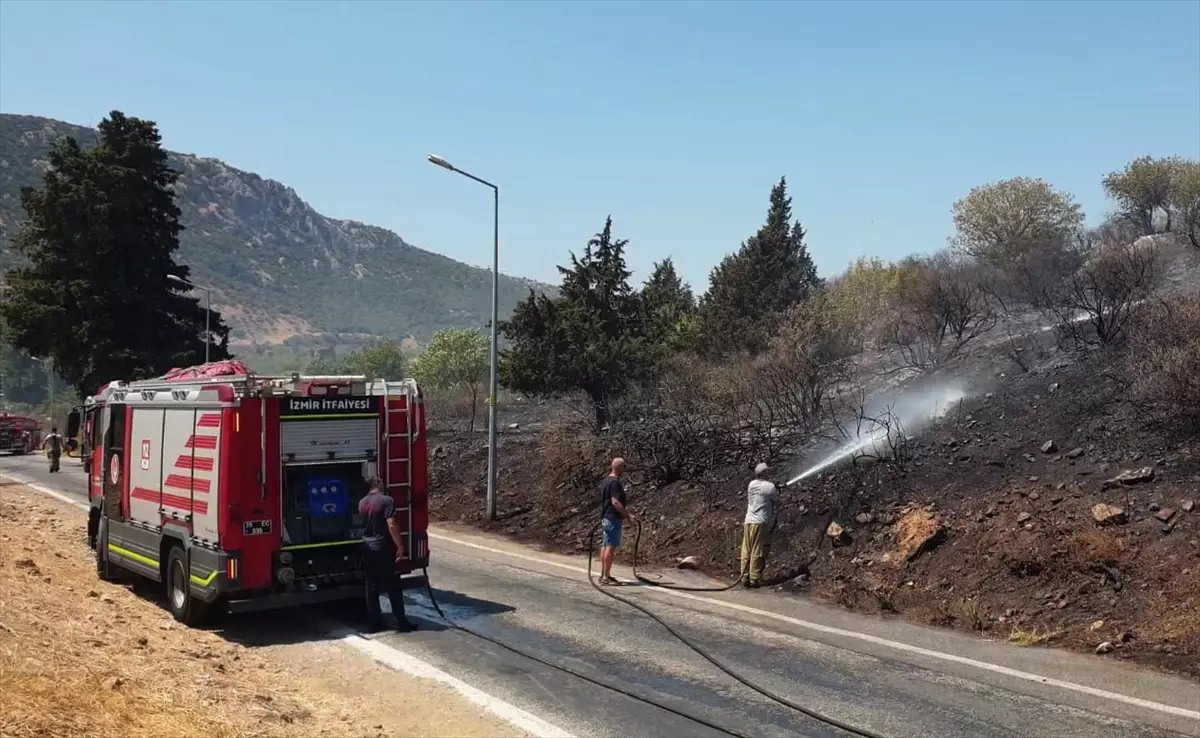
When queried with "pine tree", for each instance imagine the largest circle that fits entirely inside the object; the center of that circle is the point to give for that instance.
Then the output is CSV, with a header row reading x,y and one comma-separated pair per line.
x,y
751,290
667,302
590,338
101,235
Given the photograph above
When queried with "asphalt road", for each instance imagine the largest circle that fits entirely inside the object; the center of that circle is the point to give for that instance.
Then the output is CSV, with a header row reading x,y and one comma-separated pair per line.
x,y
894,678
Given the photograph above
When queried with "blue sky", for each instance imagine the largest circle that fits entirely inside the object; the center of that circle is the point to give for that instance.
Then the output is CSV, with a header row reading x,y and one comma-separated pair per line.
x,y
674,117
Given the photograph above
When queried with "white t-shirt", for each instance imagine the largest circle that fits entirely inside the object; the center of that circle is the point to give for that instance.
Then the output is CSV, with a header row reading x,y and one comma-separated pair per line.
x,y
760,501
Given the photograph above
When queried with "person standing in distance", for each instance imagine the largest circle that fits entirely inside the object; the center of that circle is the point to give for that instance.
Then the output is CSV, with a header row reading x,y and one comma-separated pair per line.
x,y
55,444
760,511
613,515
382,548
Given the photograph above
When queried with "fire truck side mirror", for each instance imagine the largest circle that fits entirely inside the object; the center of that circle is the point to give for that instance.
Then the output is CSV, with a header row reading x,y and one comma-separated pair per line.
x,y
73,422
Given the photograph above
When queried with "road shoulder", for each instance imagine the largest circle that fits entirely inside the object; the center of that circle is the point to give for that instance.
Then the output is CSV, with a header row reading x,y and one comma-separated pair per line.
x,y
82,657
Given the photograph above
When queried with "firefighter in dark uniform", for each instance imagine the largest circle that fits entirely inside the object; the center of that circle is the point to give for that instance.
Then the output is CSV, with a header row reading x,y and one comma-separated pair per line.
x,y
54,443
382,548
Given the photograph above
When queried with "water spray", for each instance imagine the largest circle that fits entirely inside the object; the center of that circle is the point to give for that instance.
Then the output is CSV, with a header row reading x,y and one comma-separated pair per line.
x,y
911,410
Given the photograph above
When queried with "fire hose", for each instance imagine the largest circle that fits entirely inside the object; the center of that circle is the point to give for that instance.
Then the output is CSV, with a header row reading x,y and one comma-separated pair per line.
x,y
778,699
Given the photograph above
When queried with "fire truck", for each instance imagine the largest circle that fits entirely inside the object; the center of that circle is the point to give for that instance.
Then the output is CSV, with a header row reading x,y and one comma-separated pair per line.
x,y
19,434
239,491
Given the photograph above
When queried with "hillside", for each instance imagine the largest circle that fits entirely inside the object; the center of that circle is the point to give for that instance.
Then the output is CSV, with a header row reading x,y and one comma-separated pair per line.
x,y
278,268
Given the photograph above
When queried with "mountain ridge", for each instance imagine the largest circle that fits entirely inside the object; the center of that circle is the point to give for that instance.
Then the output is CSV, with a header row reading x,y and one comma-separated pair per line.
x,y
279,270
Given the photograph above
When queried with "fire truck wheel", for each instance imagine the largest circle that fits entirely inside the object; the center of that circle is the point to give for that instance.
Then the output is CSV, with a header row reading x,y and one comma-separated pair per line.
x,y
93,528
184,608
104,570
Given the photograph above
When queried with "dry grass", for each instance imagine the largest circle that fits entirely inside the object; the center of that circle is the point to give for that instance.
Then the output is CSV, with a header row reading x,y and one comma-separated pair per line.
x,y
1034,637
83,658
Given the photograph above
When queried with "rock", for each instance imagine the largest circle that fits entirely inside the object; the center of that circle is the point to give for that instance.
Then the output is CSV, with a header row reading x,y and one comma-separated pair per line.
x,y
1105,514
864,518
1096,626
687,562
514,426
1034,478
106,599
1187,505
142,640
1035,496
1049,447
1053,387
1024,517
113,683
919,530
93,593
1075,453
25,564
1106,647
836,532
1164,515
1129,477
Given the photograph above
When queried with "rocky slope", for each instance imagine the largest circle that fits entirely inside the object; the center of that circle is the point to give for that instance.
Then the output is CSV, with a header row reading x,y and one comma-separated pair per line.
x,y
278,268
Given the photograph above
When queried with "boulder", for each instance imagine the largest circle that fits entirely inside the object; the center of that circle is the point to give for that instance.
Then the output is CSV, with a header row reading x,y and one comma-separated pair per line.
x,y
1105,514
1049,447
837,534
918,531
1164,515
1130,477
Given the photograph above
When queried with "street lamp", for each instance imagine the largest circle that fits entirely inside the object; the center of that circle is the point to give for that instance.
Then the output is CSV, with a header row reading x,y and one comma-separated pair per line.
x,y
491,481
207,309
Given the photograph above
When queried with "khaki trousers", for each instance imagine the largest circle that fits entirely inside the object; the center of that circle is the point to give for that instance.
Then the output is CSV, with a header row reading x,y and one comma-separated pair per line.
x,y
754,551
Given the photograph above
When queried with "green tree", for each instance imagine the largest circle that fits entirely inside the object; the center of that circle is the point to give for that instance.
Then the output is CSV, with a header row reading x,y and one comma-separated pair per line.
x,y
456,358
668,303
1185,200
382,359
751,290
590,338
1143,189
1002,223
101,234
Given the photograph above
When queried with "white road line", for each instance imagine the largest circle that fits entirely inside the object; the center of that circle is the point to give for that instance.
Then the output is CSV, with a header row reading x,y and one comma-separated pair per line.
x,y
398,660
876,640
45,490
390,656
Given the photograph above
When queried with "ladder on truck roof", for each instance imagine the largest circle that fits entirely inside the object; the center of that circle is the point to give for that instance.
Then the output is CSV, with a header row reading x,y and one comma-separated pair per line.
x,y
247,383
395,442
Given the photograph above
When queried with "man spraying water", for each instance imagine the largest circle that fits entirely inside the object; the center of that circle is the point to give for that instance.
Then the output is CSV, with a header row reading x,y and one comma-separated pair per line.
x,y
760,513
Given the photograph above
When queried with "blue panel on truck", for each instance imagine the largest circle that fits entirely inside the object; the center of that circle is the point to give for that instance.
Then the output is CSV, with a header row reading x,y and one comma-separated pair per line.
x,y
328,497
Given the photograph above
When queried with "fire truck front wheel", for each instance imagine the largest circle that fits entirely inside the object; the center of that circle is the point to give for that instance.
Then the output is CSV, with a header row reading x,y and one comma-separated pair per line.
x,y
184,608
104,570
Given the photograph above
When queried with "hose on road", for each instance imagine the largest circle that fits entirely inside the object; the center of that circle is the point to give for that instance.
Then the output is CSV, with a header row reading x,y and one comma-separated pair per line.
x,y
779,699
578,675
637,541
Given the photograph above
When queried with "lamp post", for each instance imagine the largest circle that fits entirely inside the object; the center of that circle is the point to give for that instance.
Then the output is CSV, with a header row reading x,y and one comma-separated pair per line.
x,y
207,309
491,481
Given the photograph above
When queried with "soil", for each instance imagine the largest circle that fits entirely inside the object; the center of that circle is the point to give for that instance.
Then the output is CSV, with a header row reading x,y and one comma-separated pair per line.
x,y
79,657
978,529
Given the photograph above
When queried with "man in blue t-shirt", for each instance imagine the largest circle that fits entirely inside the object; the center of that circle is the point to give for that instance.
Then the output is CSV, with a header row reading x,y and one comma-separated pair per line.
x,y
613,515
382,548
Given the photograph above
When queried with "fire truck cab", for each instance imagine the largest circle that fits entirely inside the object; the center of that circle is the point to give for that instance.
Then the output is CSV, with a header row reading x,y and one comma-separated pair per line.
x,y
241,491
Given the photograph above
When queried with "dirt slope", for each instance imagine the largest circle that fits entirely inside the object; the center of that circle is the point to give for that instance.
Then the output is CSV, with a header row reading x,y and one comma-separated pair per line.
x,y
1002,535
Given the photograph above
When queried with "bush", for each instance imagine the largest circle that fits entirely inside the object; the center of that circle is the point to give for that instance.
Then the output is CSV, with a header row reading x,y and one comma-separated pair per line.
x,y
1163,362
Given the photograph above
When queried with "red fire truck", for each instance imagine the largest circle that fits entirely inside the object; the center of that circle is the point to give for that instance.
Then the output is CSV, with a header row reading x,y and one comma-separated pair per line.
x,y
241,491
19,434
